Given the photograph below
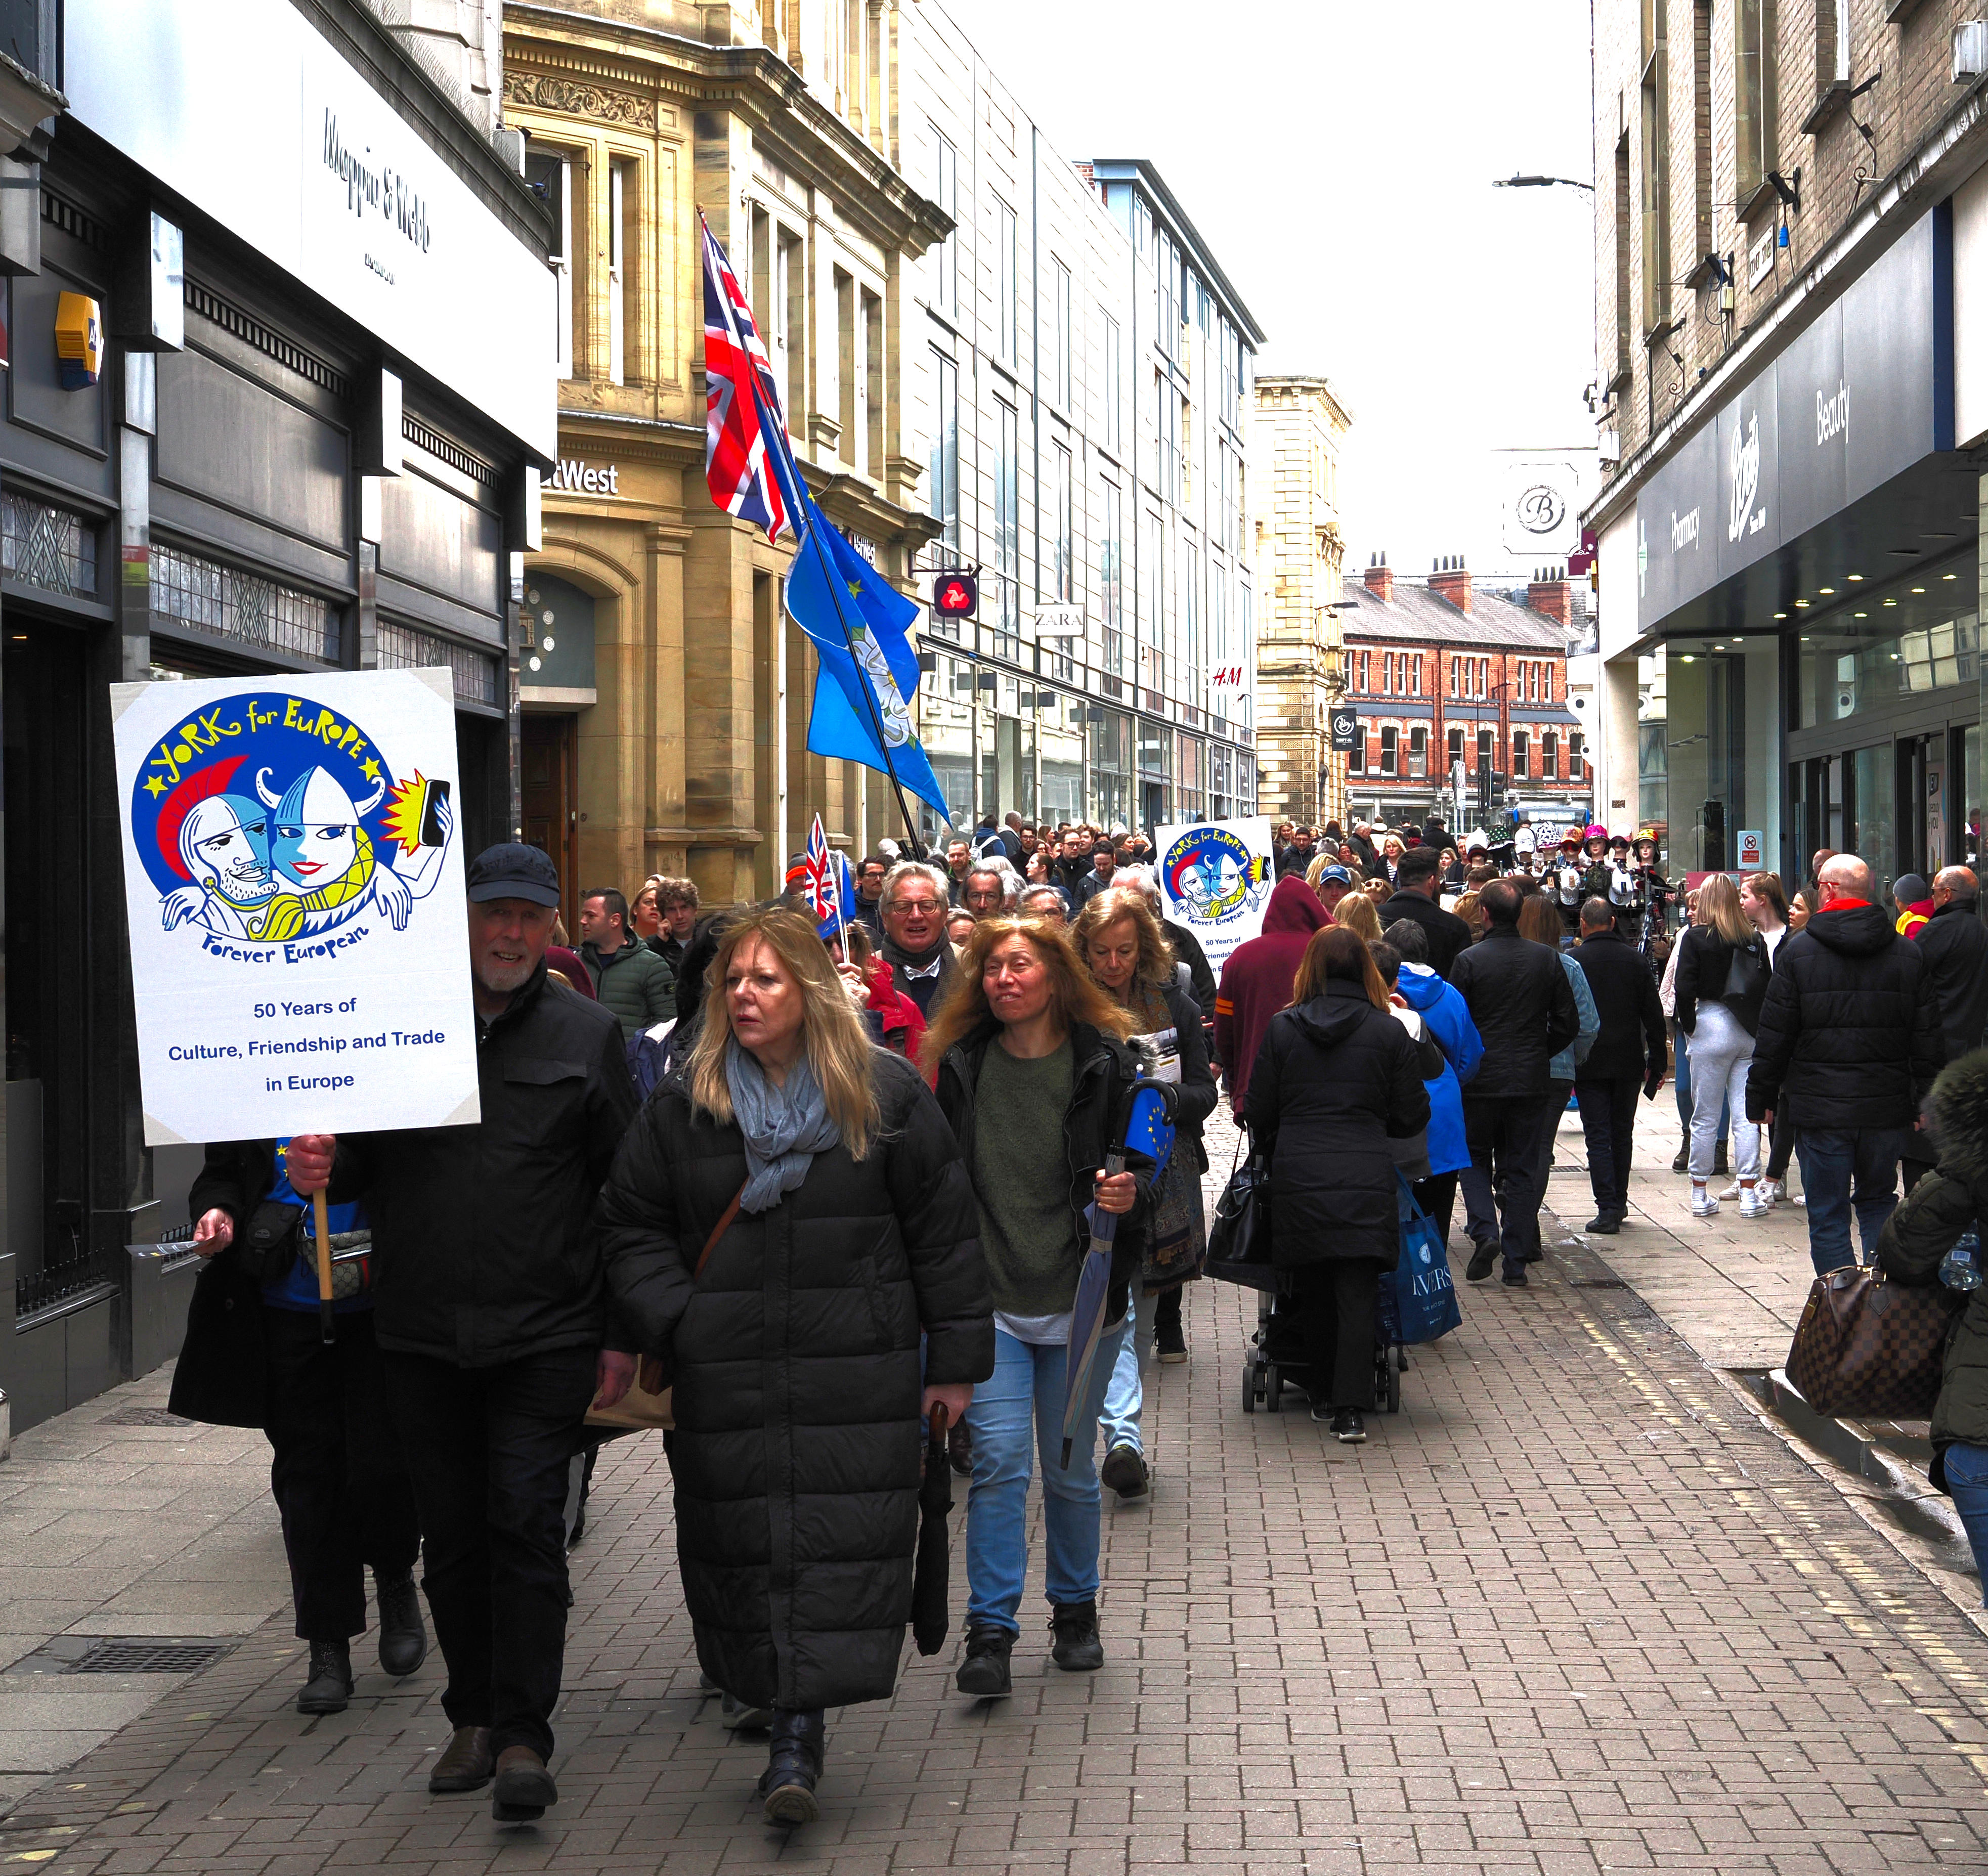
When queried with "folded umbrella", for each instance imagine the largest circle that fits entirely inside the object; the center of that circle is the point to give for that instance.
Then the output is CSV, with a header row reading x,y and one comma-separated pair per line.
x,y
929,1574
1147,1129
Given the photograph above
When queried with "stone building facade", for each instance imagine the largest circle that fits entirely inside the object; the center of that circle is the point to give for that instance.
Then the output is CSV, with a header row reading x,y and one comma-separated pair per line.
x,y
1300,425
666,695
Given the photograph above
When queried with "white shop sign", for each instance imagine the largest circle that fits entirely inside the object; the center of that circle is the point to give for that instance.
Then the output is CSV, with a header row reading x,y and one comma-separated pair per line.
x,y
241,107
293,885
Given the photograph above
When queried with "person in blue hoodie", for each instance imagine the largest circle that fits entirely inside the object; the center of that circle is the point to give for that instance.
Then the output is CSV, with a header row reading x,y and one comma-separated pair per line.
x,y
1447,1018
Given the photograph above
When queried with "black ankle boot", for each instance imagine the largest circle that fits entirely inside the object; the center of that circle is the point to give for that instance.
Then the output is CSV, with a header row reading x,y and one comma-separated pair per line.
x,y
403,1642
793,1767
1077,1647
329,1686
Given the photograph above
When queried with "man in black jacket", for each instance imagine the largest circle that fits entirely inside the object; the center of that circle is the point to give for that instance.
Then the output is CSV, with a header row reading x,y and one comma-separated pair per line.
x,y
1956,944
489,1309
1519,997
1415,897
1628,1053
1851,1029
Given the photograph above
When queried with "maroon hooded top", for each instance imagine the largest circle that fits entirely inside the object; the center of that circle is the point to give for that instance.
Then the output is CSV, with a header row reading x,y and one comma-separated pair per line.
x,y
1256,981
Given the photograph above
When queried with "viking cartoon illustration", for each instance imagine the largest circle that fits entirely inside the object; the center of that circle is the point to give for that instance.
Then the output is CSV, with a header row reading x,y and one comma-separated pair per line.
x,y
223,846
324,861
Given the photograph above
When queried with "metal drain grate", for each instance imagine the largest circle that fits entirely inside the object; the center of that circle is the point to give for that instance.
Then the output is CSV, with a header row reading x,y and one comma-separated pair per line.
x,y
144,1417
134,1654
1596,1283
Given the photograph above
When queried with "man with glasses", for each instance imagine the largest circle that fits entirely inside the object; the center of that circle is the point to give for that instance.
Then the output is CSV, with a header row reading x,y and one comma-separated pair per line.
x,y
914,908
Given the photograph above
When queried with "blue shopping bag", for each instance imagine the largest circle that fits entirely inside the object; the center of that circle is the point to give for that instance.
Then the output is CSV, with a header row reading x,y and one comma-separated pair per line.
x,y
1417,1300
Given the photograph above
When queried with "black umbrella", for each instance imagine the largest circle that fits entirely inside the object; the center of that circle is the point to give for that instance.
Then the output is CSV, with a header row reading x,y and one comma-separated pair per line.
x,y
928,1575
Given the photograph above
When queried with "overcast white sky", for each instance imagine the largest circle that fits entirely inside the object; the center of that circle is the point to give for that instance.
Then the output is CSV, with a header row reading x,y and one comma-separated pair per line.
x,y
1337,157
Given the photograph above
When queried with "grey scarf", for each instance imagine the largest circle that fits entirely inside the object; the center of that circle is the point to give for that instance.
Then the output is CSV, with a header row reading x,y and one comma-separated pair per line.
x,y
784,1127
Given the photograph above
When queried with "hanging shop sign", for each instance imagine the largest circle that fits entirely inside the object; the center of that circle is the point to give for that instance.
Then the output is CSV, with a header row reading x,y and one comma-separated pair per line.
x,y
293,884
1865,392
1345,726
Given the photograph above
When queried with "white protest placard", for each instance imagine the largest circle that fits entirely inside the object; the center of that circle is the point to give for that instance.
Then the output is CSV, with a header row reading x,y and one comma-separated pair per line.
x,y
1216,878
293,883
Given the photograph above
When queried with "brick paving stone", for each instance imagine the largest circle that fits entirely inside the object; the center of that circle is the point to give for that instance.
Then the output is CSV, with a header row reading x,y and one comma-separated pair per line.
x,y
1573,1610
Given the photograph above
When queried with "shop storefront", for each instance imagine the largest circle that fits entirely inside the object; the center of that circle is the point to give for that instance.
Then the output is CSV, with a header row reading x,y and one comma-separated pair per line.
x,y
247,432
1799,666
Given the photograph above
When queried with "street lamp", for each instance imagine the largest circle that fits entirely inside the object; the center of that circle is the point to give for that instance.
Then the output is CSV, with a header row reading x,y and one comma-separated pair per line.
x,y
1539,182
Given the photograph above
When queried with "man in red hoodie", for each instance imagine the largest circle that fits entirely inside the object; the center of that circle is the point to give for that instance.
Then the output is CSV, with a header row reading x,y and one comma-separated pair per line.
x,y
1256,980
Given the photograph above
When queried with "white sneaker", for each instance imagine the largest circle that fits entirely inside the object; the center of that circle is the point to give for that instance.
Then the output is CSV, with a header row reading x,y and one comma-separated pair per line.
x,y
1752,1205
1772,1191
1731,1191
1703,1205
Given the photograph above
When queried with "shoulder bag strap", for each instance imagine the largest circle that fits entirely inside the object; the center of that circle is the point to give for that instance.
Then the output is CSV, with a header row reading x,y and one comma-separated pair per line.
x,y
718,1231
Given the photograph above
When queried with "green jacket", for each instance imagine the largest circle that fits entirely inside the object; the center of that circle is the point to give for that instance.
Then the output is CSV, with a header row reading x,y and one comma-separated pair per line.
x,y
1924,1228
635,984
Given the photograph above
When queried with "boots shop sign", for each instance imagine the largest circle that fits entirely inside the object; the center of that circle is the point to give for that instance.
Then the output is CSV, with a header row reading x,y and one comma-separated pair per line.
x,y
244,108
1864,393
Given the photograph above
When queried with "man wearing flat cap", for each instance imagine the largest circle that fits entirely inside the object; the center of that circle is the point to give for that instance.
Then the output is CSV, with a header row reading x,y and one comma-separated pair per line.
x,y
490,1313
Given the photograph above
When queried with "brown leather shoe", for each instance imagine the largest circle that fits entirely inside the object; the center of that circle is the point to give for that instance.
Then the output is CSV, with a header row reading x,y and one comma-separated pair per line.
x,y
464,1764
524,1787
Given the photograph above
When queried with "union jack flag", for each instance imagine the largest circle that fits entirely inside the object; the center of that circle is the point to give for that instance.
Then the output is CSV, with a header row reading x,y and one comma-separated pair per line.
x,y
739,428
822,886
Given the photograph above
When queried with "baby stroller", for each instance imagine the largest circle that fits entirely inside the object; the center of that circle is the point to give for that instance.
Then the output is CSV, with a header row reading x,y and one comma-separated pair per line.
x,y
1275,1357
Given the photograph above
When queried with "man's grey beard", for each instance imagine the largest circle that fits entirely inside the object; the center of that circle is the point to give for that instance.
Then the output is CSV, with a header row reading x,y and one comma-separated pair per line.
x,y
502,981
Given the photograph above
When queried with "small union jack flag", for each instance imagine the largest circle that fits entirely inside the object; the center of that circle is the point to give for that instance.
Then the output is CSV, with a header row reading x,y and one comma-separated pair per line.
x,y
822,886
737,425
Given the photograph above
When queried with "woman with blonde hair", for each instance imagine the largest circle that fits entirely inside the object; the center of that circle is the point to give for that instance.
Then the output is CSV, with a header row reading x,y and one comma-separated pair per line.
x,y
1122,943
1355,913
1032,1071
1336,1079
793,1215
1721,981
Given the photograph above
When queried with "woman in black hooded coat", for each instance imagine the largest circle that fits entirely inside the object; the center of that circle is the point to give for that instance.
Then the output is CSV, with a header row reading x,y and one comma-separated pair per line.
x,y
1337,1078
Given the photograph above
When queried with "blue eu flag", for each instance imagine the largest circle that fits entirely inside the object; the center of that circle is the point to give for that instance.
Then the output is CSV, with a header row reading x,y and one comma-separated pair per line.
x,y
883,671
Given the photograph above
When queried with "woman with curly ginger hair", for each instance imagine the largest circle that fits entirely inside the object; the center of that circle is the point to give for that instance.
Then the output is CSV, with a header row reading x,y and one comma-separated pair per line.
x,y
1032,1070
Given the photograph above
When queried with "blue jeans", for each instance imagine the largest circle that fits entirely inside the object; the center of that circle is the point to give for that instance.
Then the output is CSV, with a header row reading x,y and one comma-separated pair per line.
x,y
1125,1399
1966,1469
1019,1405
1866,1158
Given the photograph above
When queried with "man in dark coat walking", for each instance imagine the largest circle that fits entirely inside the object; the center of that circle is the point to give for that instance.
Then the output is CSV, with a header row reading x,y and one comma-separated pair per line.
x,y
490,1310
1851,1029
1629,1054
1414,898
1956,944
1519,998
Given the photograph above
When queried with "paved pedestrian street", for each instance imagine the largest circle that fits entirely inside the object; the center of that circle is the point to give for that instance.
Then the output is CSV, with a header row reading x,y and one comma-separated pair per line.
x,y
1574,1609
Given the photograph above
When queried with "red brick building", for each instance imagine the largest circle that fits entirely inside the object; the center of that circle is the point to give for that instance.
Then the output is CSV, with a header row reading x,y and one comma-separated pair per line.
x,y
1441,672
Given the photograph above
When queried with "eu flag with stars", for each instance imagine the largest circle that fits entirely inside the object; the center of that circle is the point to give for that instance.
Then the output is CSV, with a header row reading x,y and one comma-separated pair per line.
x,y
878,618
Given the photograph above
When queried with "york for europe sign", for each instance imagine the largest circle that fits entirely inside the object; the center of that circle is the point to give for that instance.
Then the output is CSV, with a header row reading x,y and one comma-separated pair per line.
x,y
293,883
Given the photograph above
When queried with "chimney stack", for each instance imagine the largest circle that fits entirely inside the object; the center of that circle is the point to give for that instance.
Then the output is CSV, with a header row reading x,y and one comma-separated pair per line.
x,y
1450,579
1550,594
1381,578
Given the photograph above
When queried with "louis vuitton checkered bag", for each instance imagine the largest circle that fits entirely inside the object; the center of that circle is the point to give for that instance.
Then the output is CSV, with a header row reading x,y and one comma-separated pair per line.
x,y
1870,1348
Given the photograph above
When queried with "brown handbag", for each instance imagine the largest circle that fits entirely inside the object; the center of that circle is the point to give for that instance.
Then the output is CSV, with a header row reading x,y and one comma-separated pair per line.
x,y
642,1408
1867,1348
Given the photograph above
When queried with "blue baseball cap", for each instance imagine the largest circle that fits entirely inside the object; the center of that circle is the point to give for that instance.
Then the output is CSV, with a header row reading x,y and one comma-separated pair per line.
x,y
1334,873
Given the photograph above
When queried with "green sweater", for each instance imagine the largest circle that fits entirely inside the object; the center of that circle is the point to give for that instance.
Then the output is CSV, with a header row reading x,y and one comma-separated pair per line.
x,y
1027,1233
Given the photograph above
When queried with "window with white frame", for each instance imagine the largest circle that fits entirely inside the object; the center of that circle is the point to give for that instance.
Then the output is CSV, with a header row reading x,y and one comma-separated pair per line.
x,y
1549,755
1007,286
1115,387
621,203
1111,576
945,490
945,256
1066,560
1390,747
550,175
1521,755
1064,338
1008,513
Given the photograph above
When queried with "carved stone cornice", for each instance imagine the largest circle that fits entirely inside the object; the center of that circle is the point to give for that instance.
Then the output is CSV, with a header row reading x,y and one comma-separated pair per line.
x,y
577,98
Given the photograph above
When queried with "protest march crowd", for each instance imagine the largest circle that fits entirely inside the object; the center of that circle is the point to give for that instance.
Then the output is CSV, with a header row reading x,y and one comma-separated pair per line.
x,y
848,1204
